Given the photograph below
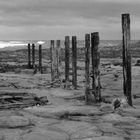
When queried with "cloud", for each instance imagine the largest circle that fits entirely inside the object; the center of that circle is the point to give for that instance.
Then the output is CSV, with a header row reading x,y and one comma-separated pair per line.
x,y
35,18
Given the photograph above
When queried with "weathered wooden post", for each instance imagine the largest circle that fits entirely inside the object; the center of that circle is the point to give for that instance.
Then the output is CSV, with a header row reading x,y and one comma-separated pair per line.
x,y
74,62
127,81
33,56
87,67
67,60
40,58
95,54
53,60
58,55
29,56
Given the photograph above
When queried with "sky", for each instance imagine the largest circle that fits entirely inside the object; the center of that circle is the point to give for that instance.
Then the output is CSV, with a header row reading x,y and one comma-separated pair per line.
x,y
55,19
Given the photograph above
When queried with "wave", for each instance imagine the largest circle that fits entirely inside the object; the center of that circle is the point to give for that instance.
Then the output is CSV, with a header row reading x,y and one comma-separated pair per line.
x,y
40,42
4,44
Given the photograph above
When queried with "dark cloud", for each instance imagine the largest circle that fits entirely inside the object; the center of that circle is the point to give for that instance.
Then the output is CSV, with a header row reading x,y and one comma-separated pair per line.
x,y
65,16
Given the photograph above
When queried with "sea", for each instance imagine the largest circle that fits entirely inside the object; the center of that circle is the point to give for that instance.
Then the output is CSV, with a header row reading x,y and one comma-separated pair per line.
x,y
21,44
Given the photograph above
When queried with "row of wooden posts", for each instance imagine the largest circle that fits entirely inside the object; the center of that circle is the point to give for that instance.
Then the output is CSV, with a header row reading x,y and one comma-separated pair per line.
x,y
92,79
31,60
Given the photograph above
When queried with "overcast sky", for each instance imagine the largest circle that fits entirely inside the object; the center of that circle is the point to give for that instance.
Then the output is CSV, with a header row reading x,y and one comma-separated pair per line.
x,y
54,19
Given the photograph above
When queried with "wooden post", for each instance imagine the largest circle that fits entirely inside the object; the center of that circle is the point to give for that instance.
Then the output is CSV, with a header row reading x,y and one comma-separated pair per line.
x,y
33,55
127,83
40,58
87,67
67,59
95,54
58,55
74,62
53,60
29,56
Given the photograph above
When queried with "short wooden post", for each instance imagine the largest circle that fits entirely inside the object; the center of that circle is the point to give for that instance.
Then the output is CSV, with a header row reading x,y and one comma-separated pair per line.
x,y
127,82
33,55
29,56
87,67
58,55
74,62
40,58
53,60
67,60
95,54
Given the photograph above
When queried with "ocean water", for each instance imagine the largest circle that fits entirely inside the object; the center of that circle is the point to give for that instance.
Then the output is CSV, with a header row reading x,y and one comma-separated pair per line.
x,y
10,44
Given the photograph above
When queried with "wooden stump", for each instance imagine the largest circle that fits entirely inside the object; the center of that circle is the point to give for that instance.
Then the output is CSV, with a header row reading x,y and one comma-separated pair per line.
x,y
95,54
29,56
40,58
53,60
58,55
67,60
33,55
127,83
87,67
74,62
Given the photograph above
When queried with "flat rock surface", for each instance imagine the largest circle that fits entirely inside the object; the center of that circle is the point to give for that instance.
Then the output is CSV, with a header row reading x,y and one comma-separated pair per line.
x,y
14,121
66,116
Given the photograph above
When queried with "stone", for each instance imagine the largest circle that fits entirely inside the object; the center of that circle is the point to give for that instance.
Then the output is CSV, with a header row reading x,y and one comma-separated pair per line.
x,y
106,108
71,127
119,102
85,133
104,138
108,129
112,117
45,135
14,121
43,100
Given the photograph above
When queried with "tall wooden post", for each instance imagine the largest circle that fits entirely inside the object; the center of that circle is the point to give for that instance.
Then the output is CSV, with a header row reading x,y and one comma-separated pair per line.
x,y
40,58
67,59
87,67
127,83
33,55
58,55
29,56
74,62
95,54
53,60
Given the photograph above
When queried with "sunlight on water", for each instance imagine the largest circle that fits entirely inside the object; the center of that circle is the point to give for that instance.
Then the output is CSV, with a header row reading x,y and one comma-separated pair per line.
x,y
40,42
4,44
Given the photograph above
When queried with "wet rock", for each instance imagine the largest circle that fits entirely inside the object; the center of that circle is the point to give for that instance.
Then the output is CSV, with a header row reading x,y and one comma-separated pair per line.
x,y
14,122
